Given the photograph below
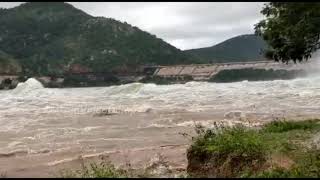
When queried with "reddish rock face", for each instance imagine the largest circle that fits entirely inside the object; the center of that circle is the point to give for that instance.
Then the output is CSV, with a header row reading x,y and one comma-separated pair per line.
x,y
78,69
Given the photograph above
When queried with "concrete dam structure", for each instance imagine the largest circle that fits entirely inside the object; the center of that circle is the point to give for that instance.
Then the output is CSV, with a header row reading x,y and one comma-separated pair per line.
x,y
198,72
206,71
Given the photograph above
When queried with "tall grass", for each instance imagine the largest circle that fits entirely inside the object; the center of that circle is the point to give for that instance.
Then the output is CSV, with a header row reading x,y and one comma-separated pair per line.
x,y
228,150
94,170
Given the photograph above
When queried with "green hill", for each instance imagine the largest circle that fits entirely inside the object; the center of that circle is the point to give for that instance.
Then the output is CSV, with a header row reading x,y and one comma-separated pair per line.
x,y
237,49
47,38
8,65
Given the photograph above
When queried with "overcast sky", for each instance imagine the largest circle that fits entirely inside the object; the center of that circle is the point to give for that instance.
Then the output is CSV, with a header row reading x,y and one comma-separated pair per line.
x,y
185,25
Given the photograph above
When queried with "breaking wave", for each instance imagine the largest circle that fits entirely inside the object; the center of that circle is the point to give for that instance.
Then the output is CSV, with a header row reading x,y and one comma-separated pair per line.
x,y
36,120
126,89
27,87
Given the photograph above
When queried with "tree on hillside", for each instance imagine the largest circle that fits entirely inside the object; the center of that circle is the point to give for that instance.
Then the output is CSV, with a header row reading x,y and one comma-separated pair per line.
x,y
292,30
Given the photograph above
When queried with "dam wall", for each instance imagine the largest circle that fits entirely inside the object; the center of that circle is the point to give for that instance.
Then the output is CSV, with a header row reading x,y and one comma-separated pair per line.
x,y
206,71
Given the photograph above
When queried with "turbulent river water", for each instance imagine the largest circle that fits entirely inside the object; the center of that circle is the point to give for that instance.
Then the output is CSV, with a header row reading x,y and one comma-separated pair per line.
x,y
46,127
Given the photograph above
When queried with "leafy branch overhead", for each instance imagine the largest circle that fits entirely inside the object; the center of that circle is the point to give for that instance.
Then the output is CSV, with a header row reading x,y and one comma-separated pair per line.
x,y
291,29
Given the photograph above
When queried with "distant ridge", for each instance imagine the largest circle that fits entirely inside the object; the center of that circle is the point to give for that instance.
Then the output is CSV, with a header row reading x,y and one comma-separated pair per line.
x,y
241,48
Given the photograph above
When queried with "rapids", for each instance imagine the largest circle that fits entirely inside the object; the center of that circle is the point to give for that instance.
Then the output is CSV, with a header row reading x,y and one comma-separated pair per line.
x,y
35,120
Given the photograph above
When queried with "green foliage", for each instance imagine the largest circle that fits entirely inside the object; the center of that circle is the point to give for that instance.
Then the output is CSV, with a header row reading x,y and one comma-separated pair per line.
x,y
283,125
245,152
102,170
236,140
47,37
237,49
306,167
8,65
291,29
226,151
250,74
276,172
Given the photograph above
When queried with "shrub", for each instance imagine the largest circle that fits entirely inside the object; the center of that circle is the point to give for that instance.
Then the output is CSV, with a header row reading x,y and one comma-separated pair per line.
x,y
244,152
102,170
226,152
307,167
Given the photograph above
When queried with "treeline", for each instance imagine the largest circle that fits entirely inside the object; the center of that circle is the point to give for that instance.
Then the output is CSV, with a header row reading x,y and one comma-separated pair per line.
x,y
45,38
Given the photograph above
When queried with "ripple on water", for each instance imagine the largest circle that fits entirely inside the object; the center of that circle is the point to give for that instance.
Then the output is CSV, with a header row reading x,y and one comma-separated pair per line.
x,y
29,107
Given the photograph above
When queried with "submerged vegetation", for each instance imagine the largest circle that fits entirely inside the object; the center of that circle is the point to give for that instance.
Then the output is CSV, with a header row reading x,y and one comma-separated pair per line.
x,y
278,149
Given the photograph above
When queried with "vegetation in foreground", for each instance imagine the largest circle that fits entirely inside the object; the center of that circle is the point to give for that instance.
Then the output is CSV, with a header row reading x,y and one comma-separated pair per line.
x,y
105,169
102,170
282,149
278,149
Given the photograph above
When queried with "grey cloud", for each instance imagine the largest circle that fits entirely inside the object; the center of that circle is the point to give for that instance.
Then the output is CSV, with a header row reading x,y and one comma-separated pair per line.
x,y
185,25
216,21
221,12
208,38
9,4
187,32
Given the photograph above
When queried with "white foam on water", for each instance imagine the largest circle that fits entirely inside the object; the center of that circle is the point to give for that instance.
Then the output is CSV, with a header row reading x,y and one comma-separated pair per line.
x,y
138,97
89,128
27,87
14,144
30,106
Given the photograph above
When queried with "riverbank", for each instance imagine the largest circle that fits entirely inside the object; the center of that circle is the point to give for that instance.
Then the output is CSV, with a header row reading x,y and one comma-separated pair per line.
x,y
279,149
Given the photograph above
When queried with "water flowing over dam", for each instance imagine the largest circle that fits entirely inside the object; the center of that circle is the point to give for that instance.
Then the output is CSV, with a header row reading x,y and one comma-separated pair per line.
x,y
196,71
206,71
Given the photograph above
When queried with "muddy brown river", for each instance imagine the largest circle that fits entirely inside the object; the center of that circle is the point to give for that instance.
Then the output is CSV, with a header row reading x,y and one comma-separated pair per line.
x,y
45,130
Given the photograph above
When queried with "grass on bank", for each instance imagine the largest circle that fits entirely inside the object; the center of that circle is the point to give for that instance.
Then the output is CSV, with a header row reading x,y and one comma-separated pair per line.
x,y
283,126
278,149
105,169
282,149
94,170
